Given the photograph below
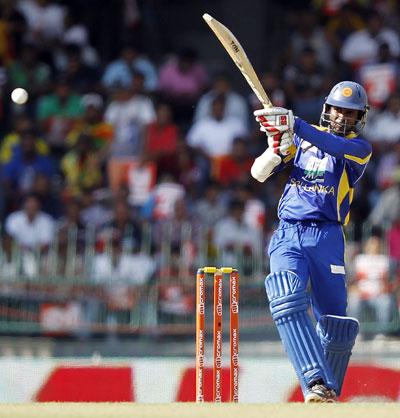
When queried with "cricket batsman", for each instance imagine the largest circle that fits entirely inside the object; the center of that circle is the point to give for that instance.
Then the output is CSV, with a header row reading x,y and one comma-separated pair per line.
x,y
326,163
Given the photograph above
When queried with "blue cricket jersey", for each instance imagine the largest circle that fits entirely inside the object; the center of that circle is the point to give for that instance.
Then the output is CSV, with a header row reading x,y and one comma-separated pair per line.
x,y
326,168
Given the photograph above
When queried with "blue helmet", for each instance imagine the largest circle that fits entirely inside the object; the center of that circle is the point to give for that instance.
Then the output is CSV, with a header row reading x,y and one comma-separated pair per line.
x,y
347,95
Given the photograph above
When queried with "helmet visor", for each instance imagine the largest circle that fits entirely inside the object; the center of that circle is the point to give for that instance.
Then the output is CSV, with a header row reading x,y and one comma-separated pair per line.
x,y
341,121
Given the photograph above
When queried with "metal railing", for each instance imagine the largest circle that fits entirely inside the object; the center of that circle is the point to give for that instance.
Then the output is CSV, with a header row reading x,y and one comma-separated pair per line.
x,y
67,289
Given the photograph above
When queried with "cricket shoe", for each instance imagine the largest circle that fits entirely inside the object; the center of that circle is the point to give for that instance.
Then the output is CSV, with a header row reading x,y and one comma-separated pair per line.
x,y
319,393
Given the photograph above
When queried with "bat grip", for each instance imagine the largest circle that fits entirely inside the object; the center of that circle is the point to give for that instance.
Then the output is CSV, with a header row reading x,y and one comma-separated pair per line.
x,y
277,143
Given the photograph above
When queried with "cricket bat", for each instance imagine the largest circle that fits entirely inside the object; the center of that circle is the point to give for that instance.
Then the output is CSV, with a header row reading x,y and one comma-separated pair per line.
x,y
239,57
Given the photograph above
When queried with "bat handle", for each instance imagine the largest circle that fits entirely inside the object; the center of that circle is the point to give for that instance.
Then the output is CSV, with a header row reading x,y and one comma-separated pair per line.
x,y
277,142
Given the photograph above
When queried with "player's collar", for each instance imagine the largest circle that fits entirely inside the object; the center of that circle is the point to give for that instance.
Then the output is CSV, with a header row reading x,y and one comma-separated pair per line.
x,y
350,135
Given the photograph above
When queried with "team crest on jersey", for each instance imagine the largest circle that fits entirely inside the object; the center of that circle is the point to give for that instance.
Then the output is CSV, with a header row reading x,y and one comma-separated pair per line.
x,y
315,169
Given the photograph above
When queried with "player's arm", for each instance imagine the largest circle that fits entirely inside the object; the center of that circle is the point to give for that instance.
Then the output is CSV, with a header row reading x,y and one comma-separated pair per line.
x,y
269,163
354,150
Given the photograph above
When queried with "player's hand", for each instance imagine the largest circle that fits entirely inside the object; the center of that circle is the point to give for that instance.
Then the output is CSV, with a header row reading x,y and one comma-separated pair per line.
x,y
280,143
275,119
277,123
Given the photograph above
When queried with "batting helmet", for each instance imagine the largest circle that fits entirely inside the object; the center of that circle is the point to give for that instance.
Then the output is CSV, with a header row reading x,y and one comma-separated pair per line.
x,y
347,95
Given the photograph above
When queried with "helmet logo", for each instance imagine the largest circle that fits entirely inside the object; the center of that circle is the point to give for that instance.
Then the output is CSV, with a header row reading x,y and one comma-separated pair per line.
x,y
347,92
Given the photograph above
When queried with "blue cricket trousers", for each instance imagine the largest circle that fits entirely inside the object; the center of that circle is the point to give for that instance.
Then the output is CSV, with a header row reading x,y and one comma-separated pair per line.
x,y
315,252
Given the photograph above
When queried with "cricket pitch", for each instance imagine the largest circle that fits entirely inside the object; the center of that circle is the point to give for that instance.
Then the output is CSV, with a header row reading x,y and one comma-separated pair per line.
x,y
192,410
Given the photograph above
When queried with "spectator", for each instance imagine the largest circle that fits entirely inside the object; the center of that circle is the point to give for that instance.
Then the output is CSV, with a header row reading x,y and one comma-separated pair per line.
x,y
384,129
76,33
365,198
371,287
28,72
141,177
71,223
387,169
10,143
308,34
304,84
8,263
235,105
82,77
387,208
215,134
125,224
50,201
362,46
81,167
20,171
182,81
210,208
380,77
71,240
95,212
123,71
123,276
57,114
342,24
181,227
161,135
93,124
176,303
6,107
30,227
129,112
190,169
12,31
235,166
254,209
235,241
393,242
45,21
120,268
163,198
181,234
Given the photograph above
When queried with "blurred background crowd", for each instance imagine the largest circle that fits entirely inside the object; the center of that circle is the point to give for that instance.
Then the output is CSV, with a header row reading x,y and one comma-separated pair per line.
x,y
128,167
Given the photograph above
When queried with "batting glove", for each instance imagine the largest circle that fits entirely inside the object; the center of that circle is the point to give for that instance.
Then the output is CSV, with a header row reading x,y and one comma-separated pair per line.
x,y
281,143
277,123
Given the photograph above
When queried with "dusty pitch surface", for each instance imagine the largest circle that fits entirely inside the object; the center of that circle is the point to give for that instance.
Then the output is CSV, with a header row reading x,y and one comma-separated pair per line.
x,y
190,410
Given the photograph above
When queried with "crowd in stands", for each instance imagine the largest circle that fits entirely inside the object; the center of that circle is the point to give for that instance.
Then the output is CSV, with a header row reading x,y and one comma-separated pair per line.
x,y
103,148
